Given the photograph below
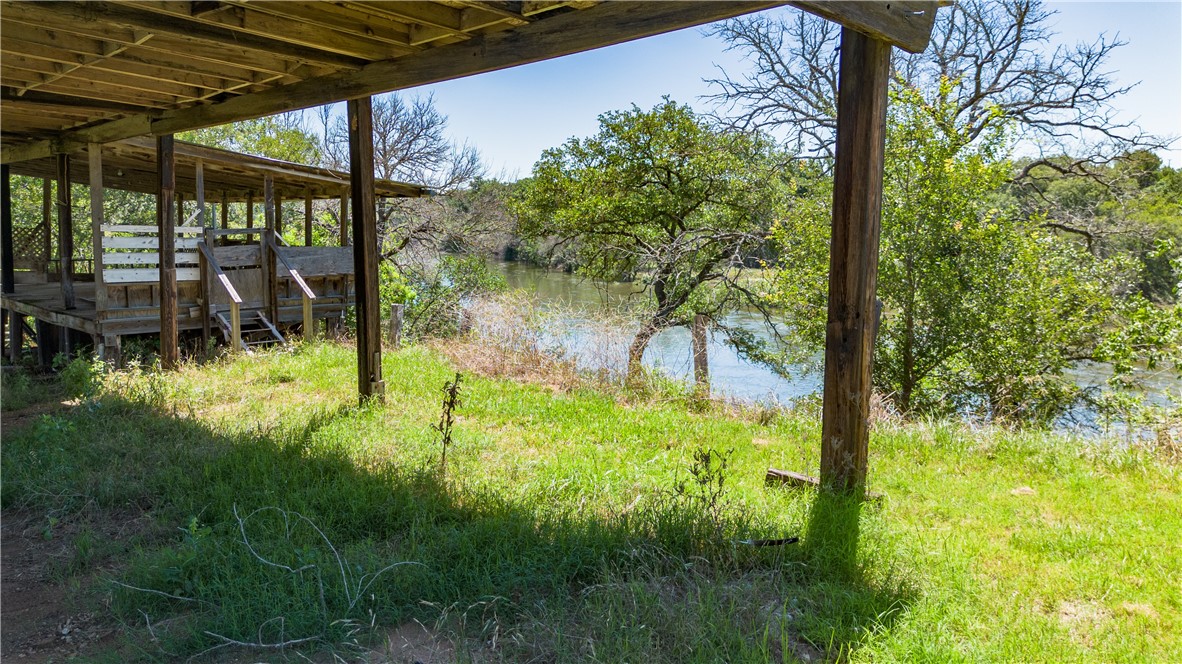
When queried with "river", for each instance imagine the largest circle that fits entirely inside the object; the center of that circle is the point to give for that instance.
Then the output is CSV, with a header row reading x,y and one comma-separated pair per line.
x,y
730,375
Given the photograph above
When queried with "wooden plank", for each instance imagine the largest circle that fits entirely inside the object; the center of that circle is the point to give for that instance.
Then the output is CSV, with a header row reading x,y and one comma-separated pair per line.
x,y
131,275
147,242
168,274
248,255
903,23
318,261
65,231
853,260
365,251
145,258
144,230
95,157
279,26
192,31
787,477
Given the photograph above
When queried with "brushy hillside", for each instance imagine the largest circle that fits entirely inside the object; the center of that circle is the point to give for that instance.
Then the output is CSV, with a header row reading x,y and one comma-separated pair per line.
x,y
583,526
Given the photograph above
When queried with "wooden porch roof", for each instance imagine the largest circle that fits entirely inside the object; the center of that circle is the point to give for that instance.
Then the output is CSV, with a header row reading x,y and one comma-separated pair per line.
x,y
74,73
130,165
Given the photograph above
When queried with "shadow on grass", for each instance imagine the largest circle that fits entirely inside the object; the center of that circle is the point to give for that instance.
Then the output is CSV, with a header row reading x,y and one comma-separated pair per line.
x,y
283,537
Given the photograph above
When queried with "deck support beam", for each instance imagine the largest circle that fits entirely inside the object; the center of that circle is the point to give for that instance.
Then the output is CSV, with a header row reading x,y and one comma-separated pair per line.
x,y
307,218
166,232
7,255
344,218
853,260
365,248
65,231
94,153
270,278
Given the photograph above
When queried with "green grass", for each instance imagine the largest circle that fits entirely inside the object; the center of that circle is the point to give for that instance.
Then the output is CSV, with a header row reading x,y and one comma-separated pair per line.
x,y
559,533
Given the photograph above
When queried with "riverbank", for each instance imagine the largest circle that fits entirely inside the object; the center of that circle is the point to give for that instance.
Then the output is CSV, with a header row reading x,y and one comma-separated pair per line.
x,y
250,501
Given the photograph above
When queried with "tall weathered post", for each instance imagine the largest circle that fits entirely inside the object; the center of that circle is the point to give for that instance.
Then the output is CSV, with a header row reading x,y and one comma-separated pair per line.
x,y
166,234
853,260
365,248
7,256
65,231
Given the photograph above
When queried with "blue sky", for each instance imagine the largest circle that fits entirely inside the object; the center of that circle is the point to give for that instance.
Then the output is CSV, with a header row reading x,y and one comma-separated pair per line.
x,y
512,115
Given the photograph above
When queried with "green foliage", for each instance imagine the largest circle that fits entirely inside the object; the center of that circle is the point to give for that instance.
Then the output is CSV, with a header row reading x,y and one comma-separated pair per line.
x,y
276,137
441,291
982,312
82,376
660,197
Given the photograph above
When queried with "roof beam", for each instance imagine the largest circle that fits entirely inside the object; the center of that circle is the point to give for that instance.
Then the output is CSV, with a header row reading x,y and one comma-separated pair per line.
x,y
557,35
903,23
187,28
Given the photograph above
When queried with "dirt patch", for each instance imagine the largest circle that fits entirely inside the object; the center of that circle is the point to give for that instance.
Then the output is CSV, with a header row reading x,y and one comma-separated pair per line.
x,y
11,420
415,643
50,570
1082,619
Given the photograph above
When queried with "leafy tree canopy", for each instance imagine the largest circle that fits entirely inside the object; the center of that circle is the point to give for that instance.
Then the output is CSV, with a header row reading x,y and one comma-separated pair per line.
x,y
663,197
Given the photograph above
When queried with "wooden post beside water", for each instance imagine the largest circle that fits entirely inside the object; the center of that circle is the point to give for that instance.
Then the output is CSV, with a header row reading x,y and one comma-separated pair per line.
x,y
853,260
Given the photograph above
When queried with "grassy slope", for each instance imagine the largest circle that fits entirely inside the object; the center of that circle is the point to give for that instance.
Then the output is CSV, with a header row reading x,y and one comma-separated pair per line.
x,y
558,532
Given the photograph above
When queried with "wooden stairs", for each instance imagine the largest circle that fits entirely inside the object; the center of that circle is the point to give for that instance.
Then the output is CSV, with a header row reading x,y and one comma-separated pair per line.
x,y
256,330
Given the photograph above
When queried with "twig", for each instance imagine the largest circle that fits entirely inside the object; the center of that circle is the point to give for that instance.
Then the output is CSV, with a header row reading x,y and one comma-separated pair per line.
x,y
163,594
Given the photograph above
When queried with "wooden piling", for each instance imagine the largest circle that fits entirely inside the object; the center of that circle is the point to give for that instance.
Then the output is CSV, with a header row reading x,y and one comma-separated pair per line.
x,y
166,234
365,249
853,260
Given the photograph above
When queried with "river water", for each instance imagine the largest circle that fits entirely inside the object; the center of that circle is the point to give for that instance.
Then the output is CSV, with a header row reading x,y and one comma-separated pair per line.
x,y
730,375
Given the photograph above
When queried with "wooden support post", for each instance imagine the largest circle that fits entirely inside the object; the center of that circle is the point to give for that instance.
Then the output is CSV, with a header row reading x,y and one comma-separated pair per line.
x,y
344,219
47,221
94,154
365,249
270,278
307,218
235,327
180,209
7,255
206,292
200,176
853,260
698,336
166,234
278,213
309,321
203,268
397,313
250,209
48,343
65,230
225,209
111,351
16,336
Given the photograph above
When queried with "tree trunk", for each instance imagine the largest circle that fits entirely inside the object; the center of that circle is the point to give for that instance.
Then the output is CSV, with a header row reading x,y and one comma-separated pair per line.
x,y
698,335
636,350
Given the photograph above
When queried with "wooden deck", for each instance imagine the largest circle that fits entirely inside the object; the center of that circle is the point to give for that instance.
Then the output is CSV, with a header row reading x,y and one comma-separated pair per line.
x,y
44,302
